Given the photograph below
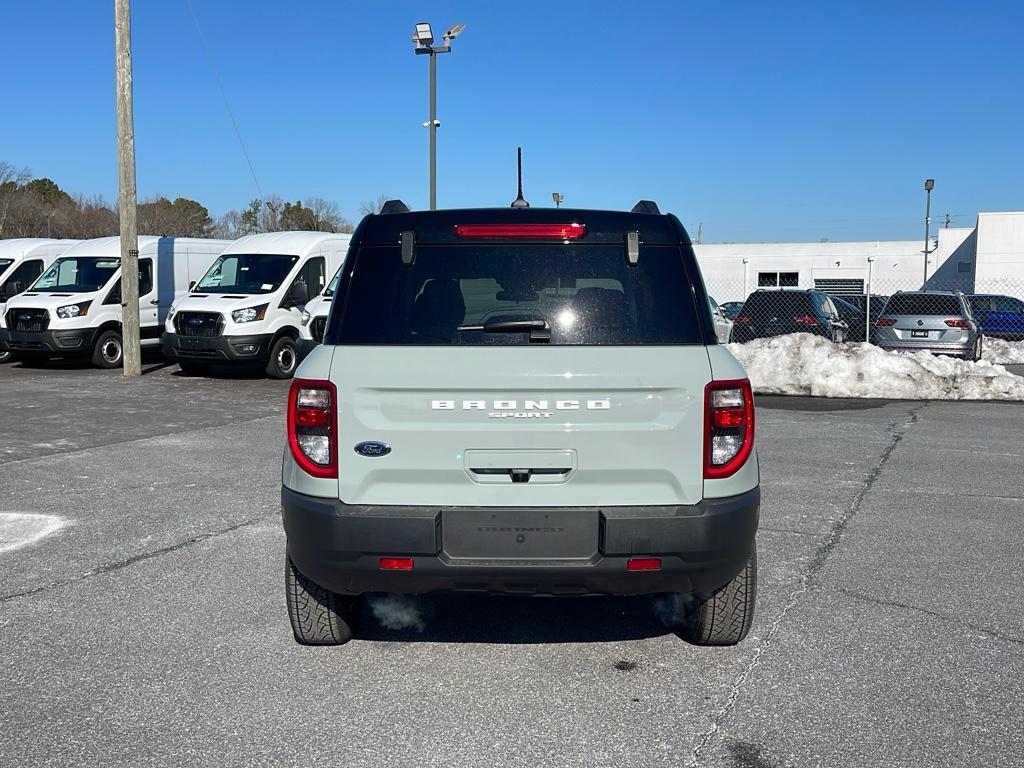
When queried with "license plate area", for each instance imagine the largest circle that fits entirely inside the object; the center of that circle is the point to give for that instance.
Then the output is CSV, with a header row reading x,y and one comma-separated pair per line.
x,y
188,342
520,534
919,334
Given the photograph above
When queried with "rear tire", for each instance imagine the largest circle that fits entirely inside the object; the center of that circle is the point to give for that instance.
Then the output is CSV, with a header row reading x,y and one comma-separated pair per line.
x,y
6,355
192,368
284,359
975,353
725,617
108,352
318,616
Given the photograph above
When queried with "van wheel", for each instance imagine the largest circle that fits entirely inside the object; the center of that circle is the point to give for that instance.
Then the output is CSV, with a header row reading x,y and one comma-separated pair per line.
x,y
193,368
108,351
318,616
284,359
725,617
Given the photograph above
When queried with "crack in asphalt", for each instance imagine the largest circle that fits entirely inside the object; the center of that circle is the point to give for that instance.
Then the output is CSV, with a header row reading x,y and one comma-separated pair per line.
x,y
935,614
141,557
806,578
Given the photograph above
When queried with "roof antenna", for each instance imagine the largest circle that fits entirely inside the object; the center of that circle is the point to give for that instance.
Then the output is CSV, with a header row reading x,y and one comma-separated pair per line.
x,y
519,202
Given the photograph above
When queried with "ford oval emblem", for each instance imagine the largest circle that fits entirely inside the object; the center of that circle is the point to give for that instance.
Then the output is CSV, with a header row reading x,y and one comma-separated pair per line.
x,y
373,448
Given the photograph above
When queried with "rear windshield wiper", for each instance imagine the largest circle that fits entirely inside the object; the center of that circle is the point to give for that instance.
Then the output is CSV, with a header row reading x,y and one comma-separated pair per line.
x,y
539,330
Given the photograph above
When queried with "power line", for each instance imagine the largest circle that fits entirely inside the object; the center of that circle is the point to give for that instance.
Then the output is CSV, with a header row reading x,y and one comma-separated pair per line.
x,y
224,96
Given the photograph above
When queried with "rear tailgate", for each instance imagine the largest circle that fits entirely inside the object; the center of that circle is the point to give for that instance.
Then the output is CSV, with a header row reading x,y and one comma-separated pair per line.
x,y
522,426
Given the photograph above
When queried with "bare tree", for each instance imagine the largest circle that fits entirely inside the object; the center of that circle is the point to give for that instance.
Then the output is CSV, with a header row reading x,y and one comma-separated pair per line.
x,y
373,206
11,181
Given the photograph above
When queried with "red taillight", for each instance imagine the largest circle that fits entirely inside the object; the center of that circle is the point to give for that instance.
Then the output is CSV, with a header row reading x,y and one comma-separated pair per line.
x,y
885,322
514,231
643,564
957,323
805,320
312,426
396,563
740,319
728,427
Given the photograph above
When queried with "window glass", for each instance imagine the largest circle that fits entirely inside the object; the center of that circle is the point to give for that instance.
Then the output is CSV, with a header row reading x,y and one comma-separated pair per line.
x,y
145,276
77,274
923,304
963,267
1007,304
789,279
462,294
250,273
21,277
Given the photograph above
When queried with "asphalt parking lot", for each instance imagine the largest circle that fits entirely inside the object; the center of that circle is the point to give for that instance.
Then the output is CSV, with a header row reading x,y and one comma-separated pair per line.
x,y
148,626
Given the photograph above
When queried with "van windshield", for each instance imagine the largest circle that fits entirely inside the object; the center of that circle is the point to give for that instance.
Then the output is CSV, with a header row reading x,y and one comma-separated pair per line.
x,y
333,285
77,274
247,273
502,295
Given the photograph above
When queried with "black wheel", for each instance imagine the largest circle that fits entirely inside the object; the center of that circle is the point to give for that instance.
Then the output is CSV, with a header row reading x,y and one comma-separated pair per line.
x,y
6,355
724,618
194,368
108,352
975,353
318,616
284,359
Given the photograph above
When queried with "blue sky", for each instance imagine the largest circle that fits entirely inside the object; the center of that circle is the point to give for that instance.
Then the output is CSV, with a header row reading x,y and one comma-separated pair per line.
x,y
760,121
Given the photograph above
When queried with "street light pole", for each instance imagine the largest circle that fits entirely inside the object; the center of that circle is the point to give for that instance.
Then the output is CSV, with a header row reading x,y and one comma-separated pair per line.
x,y
423,39
929,184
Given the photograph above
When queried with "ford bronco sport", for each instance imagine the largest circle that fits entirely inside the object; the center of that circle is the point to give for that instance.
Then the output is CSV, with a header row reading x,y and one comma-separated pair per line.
x,y
520,401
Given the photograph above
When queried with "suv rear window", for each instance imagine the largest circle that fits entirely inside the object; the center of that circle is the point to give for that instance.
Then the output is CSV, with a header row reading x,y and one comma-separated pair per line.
x,y
587,294
774,302
923,304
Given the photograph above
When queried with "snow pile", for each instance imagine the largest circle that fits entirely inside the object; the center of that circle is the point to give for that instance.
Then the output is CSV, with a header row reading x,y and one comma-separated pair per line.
x,y
999,351
802,364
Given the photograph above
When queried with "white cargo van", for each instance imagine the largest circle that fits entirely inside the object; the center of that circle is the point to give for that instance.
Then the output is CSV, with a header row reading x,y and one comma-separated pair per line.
x,y
22,260
74,307
314,316
248,306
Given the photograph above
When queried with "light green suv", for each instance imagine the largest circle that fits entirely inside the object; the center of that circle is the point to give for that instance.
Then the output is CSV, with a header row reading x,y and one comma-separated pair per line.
x,y
520,401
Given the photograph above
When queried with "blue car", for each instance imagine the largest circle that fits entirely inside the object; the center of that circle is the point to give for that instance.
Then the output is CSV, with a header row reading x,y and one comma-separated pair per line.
x,y
1000,316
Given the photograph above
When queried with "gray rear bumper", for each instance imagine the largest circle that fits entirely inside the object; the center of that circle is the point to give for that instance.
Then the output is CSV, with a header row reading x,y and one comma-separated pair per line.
x,y
701,547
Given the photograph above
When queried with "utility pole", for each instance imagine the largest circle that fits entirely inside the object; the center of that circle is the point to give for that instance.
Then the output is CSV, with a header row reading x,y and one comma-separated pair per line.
x,y
132,352
929,185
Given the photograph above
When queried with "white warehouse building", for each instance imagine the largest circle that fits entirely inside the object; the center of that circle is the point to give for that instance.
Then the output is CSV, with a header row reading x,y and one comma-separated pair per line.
x,y
986,258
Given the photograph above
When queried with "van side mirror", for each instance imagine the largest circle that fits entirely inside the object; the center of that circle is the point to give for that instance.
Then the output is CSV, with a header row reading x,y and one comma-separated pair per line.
x,y
299,294
12,289
191,285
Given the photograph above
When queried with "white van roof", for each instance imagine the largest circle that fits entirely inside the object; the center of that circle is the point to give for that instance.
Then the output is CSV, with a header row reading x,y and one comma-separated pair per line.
x,y
110,247
286,243
21,246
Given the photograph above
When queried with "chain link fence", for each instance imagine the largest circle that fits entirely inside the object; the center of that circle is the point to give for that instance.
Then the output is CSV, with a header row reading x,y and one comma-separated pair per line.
x,y
968,319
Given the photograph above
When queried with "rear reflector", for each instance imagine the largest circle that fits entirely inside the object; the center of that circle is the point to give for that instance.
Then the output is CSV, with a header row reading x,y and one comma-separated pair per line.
x,y
396,563
643,564
513,231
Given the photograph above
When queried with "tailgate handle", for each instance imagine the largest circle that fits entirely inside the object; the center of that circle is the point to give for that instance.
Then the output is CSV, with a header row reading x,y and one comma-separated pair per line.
x,y
520,466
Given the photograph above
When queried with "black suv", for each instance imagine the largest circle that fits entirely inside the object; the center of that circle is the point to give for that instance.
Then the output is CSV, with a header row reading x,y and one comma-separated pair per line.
x,y
776,312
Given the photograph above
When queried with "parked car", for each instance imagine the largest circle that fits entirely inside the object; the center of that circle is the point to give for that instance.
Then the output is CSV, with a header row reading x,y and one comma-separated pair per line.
x,y
248,307
313,322
526,401
723,325
853,317
999,316
779,311
732,308
74,307
936,322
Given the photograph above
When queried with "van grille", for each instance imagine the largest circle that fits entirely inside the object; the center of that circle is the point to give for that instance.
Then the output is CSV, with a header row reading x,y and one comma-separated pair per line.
x,y
32,320
206,324
317,326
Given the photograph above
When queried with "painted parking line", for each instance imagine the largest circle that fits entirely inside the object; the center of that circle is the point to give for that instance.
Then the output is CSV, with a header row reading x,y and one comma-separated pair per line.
x,y
22,529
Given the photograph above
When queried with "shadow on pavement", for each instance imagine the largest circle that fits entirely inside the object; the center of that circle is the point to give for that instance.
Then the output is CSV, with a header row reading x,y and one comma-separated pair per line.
x,y
451,618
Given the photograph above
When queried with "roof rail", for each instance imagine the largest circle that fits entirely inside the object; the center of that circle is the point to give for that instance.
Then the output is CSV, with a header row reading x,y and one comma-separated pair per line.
x,y
394,206
646,206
